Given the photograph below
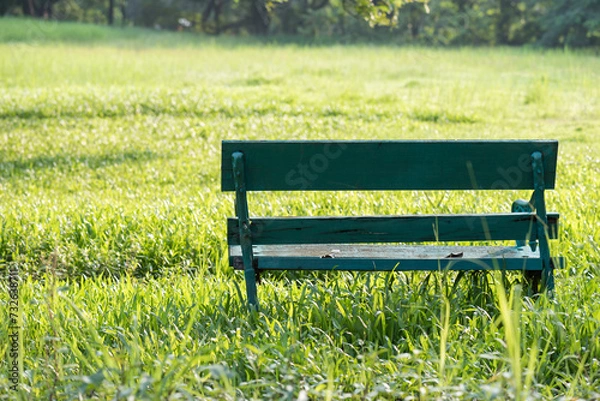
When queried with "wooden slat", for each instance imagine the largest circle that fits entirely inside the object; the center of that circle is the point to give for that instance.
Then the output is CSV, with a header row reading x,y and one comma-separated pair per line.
x,y
390,258
420,228
388,165
397,264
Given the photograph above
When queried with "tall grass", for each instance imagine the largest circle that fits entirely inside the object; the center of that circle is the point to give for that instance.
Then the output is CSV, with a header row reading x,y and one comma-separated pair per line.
x,y
111,209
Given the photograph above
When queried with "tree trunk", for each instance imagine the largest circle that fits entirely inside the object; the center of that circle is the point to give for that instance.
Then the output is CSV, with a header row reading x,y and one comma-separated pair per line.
x,y
29,8
48,9
218,5
123,14
503,22
111,12
259,17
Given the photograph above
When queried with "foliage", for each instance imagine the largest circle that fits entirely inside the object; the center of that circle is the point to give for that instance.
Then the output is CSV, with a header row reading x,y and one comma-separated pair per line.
x,y
573,24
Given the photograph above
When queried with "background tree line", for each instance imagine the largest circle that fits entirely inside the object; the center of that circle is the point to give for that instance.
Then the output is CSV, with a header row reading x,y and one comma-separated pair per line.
x,y
573,23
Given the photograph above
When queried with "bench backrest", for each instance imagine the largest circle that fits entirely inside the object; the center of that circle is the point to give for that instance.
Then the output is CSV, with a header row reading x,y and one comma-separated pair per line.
x,y
388,165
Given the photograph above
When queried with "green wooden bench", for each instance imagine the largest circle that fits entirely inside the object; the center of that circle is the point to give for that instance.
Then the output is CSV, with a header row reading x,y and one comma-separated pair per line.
x,y
346,243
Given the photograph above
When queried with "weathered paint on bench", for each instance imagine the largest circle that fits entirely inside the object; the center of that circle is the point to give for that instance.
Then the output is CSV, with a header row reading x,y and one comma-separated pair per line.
x,y
389,258
334,243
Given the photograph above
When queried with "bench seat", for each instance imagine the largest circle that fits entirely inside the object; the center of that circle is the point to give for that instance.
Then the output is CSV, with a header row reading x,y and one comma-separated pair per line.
x,y
339,257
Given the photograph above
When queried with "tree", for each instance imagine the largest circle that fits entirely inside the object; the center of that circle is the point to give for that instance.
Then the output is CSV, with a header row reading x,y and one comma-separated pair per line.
x,y
572,23
38,8
7,5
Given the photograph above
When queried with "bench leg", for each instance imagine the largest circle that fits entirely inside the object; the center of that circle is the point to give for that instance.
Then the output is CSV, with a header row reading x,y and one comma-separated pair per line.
x,y
533,280
251,293
241,207
548,278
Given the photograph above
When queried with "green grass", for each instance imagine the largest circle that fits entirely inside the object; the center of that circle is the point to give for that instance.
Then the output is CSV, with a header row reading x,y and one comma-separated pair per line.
x,y
111,209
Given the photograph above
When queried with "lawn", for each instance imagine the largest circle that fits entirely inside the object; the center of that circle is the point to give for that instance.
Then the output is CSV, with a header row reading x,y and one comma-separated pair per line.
x,y
112,217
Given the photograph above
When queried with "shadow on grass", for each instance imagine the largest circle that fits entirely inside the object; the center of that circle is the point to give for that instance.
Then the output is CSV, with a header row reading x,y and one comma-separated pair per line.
x,y
20,167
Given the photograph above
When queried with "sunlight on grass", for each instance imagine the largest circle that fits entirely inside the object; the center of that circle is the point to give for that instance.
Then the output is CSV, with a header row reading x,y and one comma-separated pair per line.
x,y
110,207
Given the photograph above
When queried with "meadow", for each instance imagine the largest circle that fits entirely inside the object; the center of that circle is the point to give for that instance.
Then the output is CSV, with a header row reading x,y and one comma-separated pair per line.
x,y
111,213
